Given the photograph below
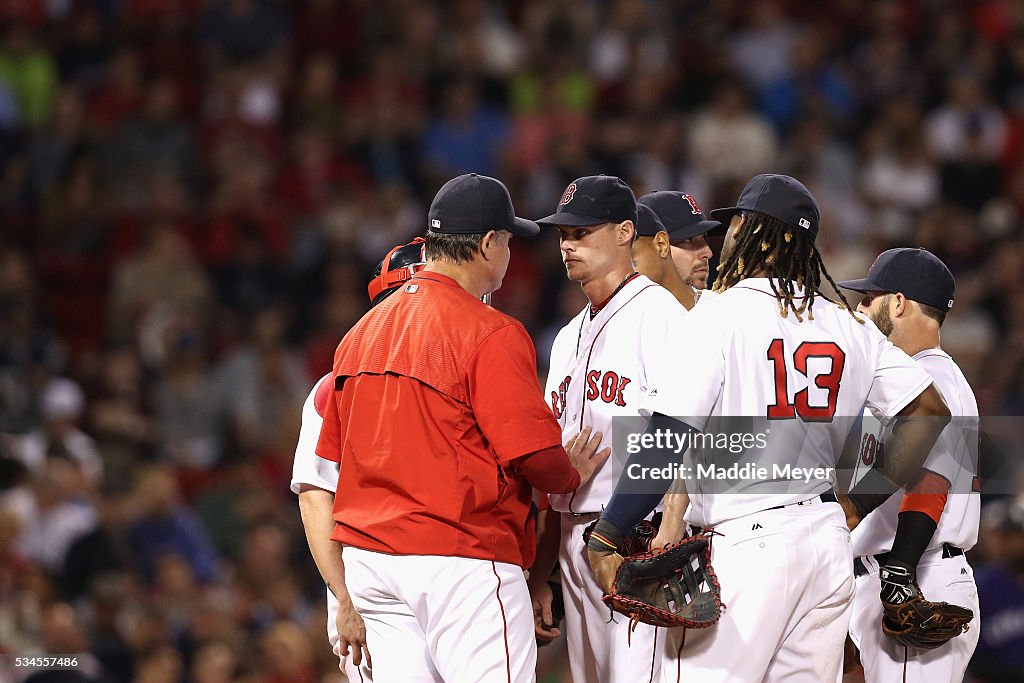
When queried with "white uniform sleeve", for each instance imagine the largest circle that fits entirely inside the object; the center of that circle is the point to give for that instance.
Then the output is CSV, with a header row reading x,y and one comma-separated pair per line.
x,y
684,366
943,459
898,380
954,455
308,468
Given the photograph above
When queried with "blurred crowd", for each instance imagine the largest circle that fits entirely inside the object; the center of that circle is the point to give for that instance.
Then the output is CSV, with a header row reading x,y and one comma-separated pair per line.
x,y
194,192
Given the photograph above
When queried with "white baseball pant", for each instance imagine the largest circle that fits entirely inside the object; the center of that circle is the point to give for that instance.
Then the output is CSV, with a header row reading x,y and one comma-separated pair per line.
x,y
787,586
948,579
433,618
601,647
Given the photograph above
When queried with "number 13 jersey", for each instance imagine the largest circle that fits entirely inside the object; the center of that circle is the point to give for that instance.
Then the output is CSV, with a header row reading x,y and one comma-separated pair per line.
x,y
801,385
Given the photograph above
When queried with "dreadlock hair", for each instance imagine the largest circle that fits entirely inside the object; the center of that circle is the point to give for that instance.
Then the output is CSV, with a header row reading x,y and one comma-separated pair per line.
x,y
787,257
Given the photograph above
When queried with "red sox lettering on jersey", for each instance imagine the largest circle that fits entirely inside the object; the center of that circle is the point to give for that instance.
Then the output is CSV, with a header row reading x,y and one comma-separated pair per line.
x,y
871,450
607,386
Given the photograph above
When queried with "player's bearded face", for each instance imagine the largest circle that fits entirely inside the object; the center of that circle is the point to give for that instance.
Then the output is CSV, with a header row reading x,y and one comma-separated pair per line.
x,y
876,307
691,258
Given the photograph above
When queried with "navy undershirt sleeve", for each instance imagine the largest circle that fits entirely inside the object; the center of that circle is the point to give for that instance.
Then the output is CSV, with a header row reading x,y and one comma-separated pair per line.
x,y
627,505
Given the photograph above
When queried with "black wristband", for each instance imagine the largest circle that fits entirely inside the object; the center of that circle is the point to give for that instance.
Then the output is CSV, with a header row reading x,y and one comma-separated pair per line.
x,y
605,537
873,489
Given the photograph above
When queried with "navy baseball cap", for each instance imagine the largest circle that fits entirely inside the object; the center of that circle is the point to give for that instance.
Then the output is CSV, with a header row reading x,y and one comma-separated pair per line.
x,y
778,196
472,203
915,273
594,200
647,222
680,213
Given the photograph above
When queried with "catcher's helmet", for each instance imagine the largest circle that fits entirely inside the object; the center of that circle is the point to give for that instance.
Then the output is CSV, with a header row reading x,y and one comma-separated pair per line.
x,y
399,265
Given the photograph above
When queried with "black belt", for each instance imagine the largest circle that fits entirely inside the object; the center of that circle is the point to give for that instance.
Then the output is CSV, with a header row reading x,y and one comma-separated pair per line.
x,y
860,569
827,497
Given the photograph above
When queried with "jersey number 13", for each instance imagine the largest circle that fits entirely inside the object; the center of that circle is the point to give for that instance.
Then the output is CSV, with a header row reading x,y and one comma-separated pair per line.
x,y
783,409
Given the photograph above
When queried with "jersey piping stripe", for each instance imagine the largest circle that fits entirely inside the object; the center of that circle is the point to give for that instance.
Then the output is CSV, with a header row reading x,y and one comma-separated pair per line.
x,y
679,656
654,654
504,623
586,368
760,291
579,338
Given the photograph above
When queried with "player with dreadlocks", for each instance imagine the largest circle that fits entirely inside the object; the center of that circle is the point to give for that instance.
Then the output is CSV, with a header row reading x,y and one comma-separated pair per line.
x,y
791,382
783,253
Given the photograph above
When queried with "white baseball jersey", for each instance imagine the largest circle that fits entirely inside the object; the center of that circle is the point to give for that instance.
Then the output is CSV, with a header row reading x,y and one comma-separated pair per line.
x,y
705,296
598,371
312,470
738,357
954,457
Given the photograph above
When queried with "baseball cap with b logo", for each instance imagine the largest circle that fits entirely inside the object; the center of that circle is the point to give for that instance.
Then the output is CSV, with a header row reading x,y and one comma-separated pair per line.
x,y
594,200
915,273
779,196
681,214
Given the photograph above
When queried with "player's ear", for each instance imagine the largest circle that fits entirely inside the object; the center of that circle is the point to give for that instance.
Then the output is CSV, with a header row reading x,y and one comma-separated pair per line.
x,y
900,305
487,244
662,244
624,232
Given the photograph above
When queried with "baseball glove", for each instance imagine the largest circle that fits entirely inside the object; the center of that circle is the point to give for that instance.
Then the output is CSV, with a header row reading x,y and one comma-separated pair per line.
x,y
910,619
675,586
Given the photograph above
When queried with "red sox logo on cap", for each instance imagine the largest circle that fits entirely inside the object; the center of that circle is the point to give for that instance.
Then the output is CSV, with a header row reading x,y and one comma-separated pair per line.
x,y
694,206
569,192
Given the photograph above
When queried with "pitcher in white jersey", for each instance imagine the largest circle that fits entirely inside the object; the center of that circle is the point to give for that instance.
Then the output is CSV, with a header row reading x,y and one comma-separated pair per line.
x,y
770,346
925,530
598,371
